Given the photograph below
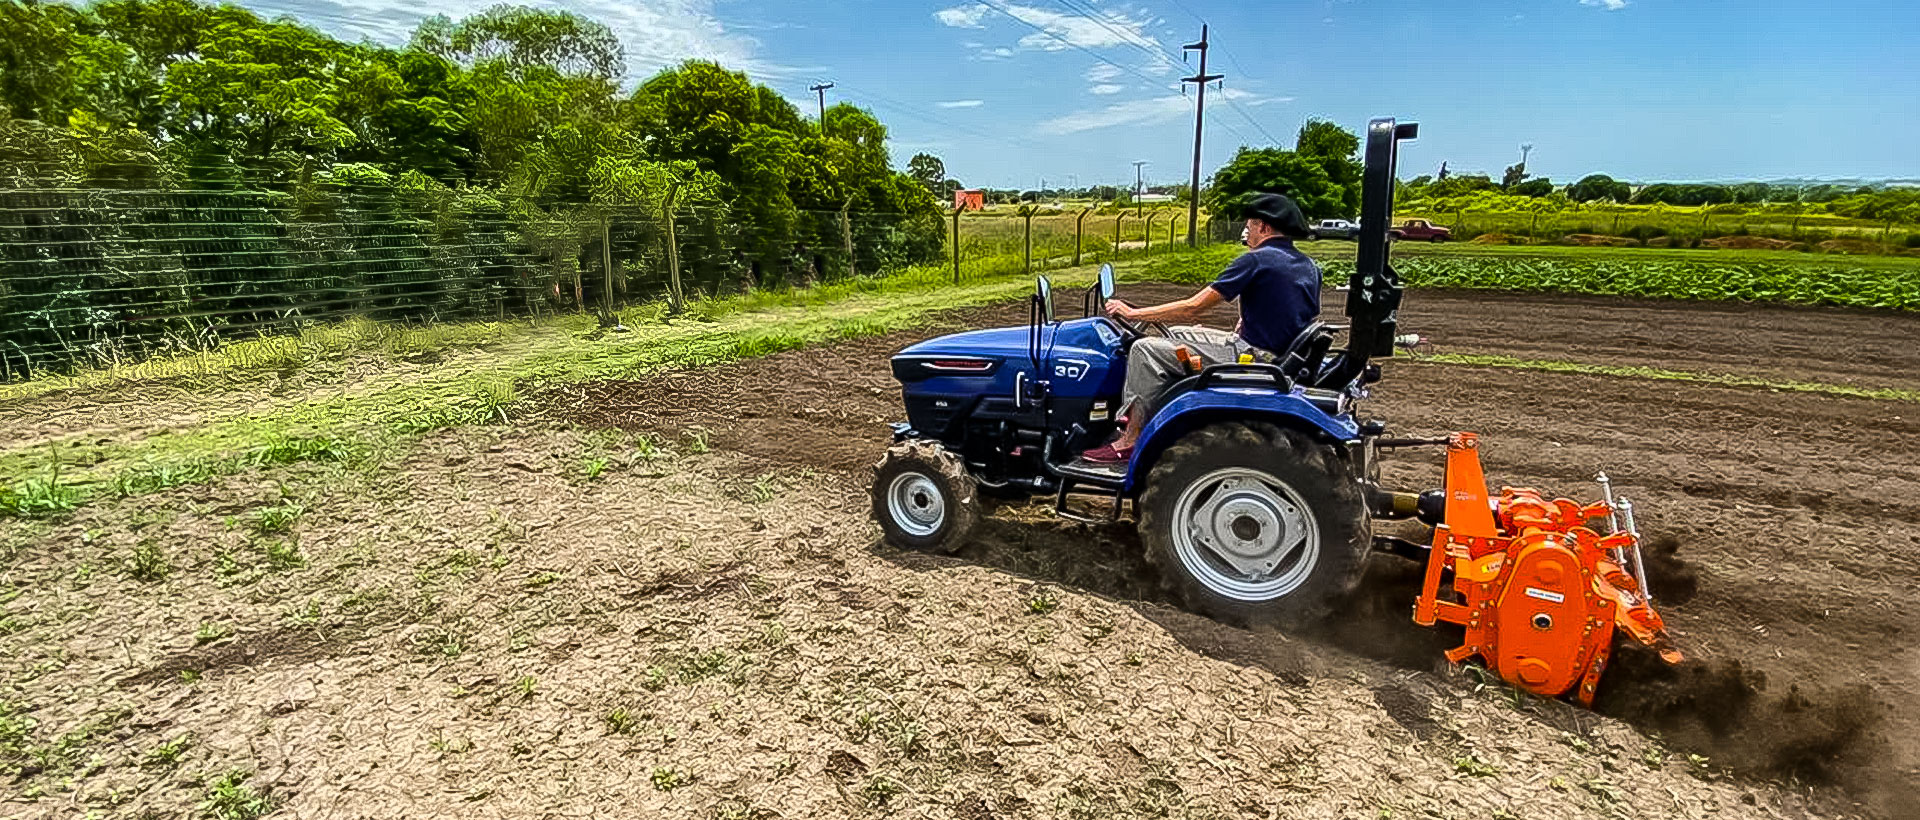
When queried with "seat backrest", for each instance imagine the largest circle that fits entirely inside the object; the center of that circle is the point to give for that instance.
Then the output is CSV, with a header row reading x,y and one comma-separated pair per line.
x,y
1303,357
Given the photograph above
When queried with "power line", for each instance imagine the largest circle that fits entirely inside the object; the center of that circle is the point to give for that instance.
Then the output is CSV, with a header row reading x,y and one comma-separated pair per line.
x,y
996,6
1162,54
912,111
1250,120
1156,51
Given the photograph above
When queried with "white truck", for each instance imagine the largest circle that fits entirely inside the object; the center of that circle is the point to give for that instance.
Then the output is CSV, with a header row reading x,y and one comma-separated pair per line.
x,y
1335,229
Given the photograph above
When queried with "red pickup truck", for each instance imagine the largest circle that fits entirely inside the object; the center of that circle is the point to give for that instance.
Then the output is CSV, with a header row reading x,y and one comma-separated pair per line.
x,y
1419,229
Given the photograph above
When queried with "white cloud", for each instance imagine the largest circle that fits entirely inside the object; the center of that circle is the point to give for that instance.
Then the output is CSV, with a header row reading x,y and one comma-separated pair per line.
x,y
961,103
963,16
1132,112
1609,5
1103,72
1062,31
1107,88
994,54
656,33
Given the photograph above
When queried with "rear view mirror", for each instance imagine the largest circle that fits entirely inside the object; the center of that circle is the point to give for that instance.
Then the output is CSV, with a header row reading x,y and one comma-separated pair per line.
x,y
1107,286
1045,289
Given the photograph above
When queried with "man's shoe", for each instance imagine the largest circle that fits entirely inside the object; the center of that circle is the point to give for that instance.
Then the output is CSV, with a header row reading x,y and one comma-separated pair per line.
x,y
1107,454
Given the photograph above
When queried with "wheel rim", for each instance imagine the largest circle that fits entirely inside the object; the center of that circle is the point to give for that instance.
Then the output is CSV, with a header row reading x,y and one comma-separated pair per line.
x,y
916,504
1245,535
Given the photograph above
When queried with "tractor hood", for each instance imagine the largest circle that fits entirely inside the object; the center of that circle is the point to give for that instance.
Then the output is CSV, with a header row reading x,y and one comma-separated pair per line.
x,y
996,343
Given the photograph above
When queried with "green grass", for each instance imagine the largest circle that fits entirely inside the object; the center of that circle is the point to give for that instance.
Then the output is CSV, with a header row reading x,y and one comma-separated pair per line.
x,y
1636,372
230,798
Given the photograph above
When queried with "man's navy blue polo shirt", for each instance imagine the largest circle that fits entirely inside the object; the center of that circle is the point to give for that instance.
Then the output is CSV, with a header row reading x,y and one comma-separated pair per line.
x,y
1279,292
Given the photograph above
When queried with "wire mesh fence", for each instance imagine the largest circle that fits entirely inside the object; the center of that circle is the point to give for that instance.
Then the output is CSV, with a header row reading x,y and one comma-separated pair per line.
x,y
100,277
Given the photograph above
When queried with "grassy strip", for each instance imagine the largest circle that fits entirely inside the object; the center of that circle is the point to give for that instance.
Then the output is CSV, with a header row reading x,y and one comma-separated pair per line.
x,y
1648,274
476,386
1636,372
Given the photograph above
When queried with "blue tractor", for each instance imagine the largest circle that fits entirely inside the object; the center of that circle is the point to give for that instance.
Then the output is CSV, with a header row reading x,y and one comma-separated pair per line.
x,y
1253,483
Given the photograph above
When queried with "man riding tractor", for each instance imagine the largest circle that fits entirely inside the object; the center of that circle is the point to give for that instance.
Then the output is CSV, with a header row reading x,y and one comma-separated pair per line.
x,y
1278,287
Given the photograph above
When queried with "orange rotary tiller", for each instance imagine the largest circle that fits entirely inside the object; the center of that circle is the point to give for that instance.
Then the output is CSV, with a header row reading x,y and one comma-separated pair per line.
x,y
1540,593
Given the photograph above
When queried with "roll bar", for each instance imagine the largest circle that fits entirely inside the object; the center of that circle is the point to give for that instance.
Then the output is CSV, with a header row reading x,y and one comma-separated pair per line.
x,y
1373,296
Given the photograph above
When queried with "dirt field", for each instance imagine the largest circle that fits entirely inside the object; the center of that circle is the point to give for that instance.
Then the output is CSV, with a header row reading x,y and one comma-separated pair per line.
x,y
1788,514
665,599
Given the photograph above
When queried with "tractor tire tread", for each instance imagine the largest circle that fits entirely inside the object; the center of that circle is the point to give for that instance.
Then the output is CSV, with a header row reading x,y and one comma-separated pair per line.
x,y
940,464
1345,525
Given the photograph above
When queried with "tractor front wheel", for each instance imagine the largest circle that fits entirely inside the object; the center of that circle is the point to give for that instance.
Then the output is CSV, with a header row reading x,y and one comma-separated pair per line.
x,y
1253,524
924,498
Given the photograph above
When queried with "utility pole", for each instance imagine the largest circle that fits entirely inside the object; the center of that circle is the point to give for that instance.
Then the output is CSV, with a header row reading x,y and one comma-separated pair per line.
x,y
1199,122
1138,206
821,90
1525,149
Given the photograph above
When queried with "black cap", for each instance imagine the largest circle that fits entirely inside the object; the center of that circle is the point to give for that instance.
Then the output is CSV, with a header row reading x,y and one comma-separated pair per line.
x,y
1279,212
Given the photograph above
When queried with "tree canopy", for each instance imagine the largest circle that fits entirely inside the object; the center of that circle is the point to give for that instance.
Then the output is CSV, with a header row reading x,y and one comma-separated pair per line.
x,y
1321,174
507,129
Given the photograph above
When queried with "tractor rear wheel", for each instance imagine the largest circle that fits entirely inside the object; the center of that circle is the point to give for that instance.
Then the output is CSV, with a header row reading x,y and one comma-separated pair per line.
x,y
1253,524
924,498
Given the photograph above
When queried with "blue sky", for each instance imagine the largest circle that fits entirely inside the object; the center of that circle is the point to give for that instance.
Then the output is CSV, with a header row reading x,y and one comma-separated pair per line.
x,y
1011,92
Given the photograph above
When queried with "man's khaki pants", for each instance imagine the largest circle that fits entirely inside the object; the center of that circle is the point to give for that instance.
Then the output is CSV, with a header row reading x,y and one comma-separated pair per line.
x,y
1152,363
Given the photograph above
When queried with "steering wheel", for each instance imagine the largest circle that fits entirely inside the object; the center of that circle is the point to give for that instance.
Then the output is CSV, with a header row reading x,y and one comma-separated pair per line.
x,y
1137,329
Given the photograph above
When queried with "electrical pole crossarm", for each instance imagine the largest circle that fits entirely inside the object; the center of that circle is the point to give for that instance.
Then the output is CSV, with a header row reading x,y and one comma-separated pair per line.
x,y
821,91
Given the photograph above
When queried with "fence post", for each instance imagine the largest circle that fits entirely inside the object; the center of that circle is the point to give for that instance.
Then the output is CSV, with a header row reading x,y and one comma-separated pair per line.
x,y
606,261
676,303
1173,226
1079,233
1028,212
956,245
1116,234
846,237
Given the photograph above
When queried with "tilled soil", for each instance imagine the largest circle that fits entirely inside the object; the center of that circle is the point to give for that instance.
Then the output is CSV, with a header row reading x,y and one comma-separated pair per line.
x,y
484,628
1787,555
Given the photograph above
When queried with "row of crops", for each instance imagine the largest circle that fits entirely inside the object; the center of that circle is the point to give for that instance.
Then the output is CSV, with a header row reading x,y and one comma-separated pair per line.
x,y
1846,282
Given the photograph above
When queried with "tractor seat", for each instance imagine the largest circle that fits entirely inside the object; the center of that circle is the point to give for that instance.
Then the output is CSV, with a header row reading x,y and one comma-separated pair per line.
x,y
1308,353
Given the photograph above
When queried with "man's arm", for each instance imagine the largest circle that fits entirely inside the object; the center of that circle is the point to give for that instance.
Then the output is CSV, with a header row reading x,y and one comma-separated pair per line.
x,y
1190,309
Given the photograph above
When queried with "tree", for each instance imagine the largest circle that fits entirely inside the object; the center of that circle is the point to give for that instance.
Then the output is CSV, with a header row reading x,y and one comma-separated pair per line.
x,y
1536,187
1460,185
1515,174
1599,186
1336,150
525,39
1255,171
928,170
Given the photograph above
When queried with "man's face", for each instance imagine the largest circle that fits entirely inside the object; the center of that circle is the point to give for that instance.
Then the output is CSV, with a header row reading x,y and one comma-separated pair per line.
x,y
1254,233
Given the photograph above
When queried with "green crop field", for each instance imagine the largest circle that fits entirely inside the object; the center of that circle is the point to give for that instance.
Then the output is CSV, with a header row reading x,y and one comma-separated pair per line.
x,y
1678,225
1755,276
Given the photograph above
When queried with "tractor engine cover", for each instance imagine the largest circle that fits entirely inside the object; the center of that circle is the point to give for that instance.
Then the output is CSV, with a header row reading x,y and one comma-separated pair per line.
x,y
1550,629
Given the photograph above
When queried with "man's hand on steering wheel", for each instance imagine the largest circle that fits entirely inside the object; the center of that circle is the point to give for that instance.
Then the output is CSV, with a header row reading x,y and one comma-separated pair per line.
x,y
1122,314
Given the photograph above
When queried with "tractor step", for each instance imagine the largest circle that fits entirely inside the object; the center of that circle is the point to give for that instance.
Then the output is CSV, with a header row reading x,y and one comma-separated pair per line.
x,y
1110,476
1090,478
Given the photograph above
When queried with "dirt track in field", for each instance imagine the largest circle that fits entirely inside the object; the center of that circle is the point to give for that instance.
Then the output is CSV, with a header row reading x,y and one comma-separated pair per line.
x,y
1790,515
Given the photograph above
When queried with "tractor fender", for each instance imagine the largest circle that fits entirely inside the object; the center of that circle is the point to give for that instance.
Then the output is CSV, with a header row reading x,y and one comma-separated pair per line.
x,y
1191,411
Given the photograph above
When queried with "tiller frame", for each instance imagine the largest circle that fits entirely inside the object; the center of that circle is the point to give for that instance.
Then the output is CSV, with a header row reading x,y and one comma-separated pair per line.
x,y
1539,592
